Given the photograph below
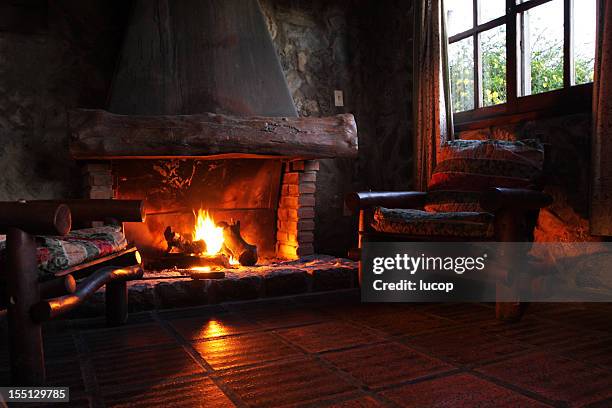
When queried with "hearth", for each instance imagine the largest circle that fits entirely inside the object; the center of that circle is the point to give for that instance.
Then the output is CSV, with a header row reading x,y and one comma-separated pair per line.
x,y
202,126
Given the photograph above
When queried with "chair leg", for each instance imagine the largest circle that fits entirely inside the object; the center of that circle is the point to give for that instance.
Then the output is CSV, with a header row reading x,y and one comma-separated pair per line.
x,y
116,303
510,228
25,337
360,231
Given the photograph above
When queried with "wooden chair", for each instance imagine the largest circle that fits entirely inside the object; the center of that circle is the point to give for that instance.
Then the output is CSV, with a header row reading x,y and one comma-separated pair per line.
x,y
514,214
30,301
479,190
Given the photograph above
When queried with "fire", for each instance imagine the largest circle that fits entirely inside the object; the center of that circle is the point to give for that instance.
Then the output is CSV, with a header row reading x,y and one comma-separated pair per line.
x,y
206,230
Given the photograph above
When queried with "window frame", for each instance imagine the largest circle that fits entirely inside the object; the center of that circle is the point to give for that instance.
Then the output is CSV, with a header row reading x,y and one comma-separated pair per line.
x,y
569,99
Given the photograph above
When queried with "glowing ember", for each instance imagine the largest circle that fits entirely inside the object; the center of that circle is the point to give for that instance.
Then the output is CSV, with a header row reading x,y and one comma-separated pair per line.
x,y
201,268
206,230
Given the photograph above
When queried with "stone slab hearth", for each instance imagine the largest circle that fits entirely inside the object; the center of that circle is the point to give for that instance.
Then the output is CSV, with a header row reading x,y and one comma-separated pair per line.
x,y
174,288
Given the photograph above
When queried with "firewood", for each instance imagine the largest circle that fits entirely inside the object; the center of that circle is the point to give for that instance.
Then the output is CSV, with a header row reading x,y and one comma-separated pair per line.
x,y
200,275
236,246
184,245
188,261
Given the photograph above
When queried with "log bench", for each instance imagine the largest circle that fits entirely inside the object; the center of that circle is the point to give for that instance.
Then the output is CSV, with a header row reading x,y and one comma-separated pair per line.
x,y
38,288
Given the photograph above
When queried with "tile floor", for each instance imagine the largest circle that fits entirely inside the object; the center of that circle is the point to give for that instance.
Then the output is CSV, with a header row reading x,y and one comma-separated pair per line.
x,y
329,350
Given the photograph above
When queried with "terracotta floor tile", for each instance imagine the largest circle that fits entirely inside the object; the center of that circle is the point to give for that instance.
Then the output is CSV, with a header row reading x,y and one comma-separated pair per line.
x,y
66,374
461,390
467,313
137,367
590,317
537,332
274,318
363,402
300,381
597,352
404,322
360,311
59,346
193,393
126,337
554,377
237,351
386,364
464,346
329,336
73,403
207,327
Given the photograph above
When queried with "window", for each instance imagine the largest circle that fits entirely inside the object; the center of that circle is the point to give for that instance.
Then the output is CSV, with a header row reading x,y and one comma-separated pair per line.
x,y
519,58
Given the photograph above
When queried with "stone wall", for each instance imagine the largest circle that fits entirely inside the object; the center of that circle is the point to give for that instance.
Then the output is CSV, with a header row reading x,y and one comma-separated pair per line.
x,y
66,63
363,48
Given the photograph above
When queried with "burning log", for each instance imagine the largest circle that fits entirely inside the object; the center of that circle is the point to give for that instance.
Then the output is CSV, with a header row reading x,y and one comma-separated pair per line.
x,y
184,245
236,246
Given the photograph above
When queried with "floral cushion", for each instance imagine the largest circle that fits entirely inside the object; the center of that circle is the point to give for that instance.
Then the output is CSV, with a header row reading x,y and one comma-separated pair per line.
x,y
59,253
416,222
467,167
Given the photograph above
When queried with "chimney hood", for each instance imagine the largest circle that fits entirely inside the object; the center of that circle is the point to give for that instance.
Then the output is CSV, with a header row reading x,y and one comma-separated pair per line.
x,y
200,79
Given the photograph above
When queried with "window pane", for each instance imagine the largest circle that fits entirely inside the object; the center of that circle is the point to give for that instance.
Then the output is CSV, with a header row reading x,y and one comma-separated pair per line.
x,y
542,48
584,40
490,10
493,52
461,61
459,15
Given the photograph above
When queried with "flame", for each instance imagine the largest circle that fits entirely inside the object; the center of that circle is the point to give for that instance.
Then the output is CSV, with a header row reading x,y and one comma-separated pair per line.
x,y
233,261
206,230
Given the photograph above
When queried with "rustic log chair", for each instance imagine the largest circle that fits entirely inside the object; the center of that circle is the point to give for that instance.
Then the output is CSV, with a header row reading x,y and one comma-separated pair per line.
x,y
514,211
30,302
481,190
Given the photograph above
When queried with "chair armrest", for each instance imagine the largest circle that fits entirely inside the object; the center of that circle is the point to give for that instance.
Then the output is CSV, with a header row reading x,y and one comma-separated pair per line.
x,y
390,199
89,210
497,198
51,308
41,218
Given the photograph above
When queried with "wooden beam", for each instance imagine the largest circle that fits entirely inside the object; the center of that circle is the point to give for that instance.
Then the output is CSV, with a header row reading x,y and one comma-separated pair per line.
x,y
41,218
100,135
88,210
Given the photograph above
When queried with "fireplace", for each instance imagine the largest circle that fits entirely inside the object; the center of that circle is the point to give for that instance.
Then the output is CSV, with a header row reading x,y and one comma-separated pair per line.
x,y
273,200
200,119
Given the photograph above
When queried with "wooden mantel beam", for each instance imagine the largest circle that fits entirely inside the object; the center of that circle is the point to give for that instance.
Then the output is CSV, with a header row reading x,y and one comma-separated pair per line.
x,y
101,135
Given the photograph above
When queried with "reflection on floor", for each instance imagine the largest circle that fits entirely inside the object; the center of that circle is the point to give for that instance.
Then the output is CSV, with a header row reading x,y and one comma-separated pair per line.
x,y
330,350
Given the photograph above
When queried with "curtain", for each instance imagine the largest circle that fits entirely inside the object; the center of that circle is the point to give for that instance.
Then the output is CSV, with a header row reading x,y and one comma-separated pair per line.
x,y
601,157
432,108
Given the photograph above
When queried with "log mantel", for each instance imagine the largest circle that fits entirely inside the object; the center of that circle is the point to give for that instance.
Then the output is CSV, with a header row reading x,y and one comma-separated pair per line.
x,y
101,135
